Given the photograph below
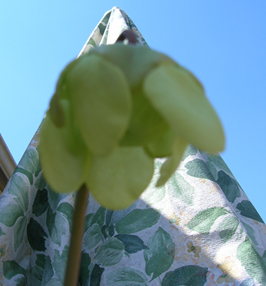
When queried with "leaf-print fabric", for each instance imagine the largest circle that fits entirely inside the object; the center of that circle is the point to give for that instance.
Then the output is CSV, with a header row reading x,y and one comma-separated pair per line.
x,y
198,229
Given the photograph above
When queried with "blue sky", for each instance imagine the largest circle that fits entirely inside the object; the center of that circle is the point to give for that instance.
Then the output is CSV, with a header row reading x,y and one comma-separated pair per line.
x,y
222,42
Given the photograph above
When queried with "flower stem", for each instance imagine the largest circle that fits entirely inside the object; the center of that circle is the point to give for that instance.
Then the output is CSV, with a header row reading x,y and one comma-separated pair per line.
x,y
75,247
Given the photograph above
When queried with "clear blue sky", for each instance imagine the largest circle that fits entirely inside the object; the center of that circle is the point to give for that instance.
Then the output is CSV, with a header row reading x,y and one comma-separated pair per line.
x,y
222,42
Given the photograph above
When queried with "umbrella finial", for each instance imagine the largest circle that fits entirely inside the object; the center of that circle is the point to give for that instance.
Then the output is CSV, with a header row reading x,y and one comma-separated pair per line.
x,y
127,36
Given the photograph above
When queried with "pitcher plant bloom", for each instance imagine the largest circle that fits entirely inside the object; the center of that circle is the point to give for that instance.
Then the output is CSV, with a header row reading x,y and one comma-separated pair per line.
x,y
114,111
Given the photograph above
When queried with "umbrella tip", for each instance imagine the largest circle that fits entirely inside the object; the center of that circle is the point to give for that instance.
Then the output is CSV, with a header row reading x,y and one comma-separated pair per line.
x,y
115,8
129,36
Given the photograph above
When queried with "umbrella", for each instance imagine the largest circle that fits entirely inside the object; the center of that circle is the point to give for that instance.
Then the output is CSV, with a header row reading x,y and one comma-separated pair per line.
x,y
7,164
198,229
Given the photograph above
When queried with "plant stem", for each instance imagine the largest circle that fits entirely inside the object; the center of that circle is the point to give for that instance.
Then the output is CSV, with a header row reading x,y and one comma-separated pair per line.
x,y
75,247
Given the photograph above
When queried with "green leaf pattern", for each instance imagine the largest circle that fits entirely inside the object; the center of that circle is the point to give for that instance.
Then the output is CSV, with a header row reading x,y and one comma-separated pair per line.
x,y
198,229
160,249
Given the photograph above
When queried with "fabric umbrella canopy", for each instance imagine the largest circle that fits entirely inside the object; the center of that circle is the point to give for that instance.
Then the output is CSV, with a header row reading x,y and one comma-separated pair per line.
x,y
198,229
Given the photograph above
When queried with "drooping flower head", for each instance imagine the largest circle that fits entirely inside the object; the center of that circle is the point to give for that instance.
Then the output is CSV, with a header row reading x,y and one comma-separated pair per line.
x,y
114,111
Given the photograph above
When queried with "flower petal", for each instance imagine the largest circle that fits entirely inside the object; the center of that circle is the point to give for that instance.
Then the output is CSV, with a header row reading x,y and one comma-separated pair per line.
x,y
101,102
180,98
172,163
161,147
56,111
146,123
136,61
64,158
118,179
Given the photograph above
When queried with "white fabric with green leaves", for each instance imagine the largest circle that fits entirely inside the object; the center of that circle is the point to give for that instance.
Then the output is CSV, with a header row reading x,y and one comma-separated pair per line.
x,y
198,229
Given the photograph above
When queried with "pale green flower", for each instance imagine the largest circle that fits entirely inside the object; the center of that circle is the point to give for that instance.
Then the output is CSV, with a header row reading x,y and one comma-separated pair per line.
x,y
114,111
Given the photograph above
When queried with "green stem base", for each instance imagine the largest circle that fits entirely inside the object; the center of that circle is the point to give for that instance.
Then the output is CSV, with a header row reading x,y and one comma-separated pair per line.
x,y
75,247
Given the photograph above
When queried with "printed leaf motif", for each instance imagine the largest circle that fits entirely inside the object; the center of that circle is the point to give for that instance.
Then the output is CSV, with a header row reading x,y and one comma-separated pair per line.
x,y
178,187
212,169
118,215
36,235
39,167
247,282
228,228
252,261
26,173
50,219
151,195
228,186
67,210
126,276
96,275
160,253
108,217
40,183
190,275
60,263
132,243
91,42
40,204
104,231
40,261
19,189
137,220
30,160
204,220
247,209
10,214
1,232
36,276
84,272
111,229
99,216
48,272
55,221
190,151
54,282
21,281
92,236
12,268
101,27
88,220
197,168
110,252
219,162
53,198
264,257
58,228
36,271
19,231
251,233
